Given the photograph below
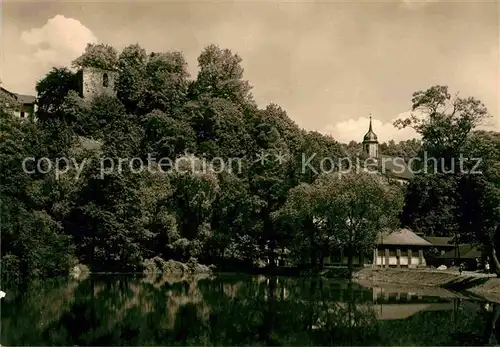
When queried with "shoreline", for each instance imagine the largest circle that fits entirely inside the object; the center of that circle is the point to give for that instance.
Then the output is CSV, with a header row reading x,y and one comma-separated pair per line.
x,y
433,282
486,287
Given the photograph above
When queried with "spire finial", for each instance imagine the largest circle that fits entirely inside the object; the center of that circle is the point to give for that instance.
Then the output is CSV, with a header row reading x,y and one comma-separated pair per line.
x,y
370,129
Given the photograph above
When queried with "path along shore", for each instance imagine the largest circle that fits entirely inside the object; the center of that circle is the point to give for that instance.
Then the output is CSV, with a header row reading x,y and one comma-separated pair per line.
x,y
486,286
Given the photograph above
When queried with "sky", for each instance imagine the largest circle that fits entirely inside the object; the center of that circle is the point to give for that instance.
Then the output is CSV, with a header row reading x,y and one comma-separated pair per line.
x,y
329,64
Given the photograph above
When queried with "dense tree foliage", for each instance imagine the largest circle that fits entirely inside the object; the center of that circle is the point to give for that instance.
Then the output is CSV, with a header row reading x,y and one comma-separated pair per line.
x,y
403,149
457,192
52,90
200,192
99,56
341,212
181,168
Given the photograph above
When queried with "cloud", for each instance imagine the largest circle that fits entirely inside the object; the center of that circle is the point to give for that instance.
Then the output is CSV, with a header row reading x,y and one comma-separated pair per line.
x,y
58,41
355,129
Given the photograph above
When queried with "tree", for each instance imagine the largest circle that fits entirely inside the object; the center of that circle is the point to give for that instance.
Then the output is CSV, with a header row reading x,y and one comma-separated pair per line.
x,y
166,84
485,147
271,177
404,149
361,205
75,113
167,137
195,188
220,75
354,148
219,127
99,56
317,154
158,81
478,207
52,91
132,78
108,219
297,216
430,204
33,243
349,210
479,215
97,118
443,122
235,221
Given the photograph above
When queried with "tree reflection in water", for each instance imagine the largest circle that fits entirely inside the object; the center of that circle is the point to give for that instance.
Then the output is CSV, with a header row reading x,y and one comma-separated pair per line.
x,y
237,310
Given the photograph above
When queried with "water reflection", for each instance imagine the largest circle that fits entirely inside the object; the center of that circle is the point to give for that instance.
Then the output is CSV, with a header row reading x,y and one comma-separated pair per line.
x,y
240,310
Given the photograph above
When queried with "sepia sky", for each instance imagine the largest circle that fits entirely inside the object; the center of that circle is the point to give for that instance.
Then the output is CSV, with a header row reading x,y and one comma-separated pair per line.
x,y
328,64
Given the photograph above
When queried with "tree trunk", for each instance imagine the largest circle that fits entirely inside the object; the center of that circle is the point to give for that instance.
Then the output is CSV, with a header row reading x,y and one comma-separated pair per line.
x,y
350,305
349,253
269,230
491,330
265,330
494,260
312,287
313,257
321,260
312,245
272,257
349,260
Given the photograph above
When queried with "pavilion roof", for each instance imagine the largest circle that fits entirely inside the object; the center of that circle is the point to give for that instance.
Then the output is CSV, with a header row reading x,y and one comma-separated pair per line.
x,y
401,236
440,241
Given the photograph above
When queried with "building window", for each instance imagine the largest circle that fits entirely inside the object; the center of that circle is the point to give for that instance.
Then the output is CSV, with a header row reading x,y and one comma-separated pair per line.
x,y
105,80
22,114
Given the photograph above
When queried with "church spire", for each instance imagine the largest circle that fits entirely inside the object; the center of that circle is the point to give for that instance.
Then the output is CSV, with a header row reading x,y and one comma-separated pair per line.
x,y
370,141
370,135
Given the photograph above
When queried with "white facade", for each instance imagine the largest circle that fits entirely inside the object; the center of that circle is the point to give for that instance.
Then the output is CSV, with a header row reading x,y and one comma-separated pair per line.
x,y
403,261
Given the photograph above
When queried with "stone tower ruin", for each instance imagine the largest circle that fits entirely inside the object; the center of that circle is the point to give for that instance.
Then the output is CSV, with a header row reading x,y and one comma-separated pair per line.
x,y
95,81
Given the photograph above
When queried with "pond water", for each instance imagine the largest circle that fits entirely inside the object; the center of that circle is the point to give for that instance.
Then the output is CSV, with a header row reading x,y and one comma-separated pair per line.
x,y
239,310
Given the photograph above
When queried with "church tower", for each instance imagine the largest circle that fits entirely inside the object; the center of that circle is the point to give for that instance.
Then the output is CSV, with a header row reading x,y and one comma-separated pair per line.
x,y
370,142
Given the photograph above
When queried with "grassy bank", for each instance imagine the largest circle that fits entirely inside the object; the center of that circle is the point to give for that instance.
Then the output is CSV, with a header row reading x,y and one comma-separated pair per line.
x,y
485,286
